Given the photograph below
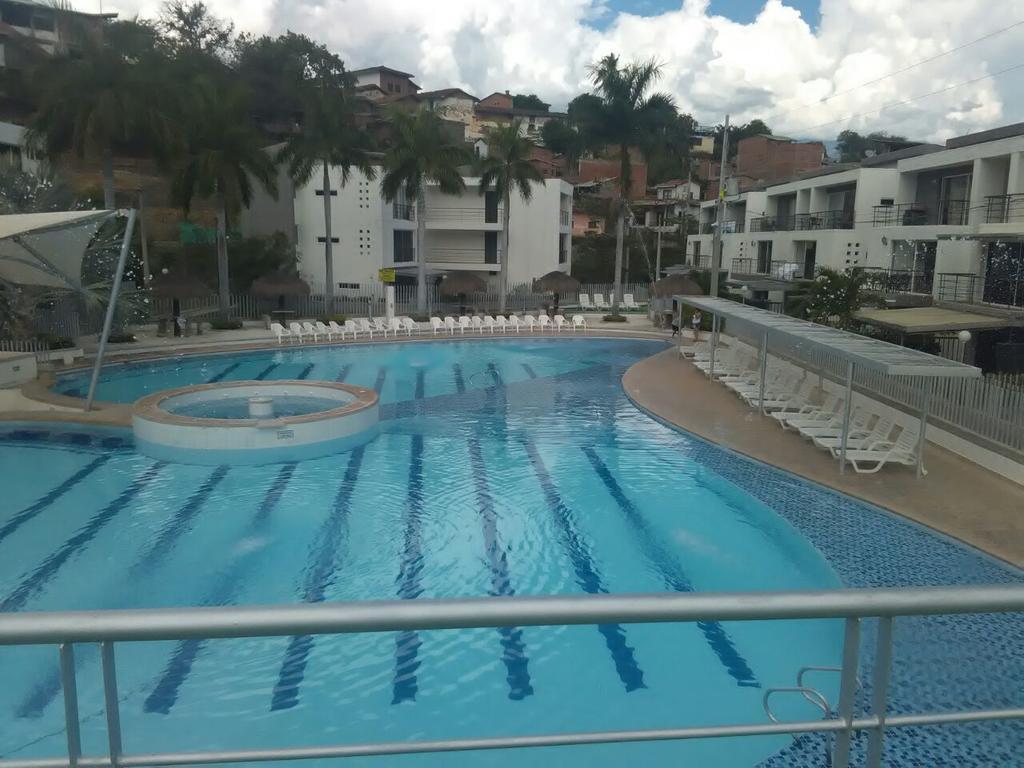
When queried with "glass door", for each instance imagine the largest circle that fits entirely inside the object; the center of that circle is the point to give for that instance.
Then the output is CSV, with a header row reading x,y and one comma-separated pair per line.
x,y
954,199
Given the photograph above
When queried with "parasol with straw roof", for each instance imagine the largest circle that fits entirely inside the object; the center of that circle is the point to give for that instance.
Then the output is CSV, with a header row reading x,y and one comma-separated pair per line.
x,y
676,285
179,285
558,283
460,283
278,285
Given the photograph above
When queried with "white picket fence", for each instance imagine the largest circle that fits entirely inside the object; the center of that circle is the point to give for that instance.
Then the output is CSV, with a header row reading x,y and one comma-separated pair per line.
x,y
26,346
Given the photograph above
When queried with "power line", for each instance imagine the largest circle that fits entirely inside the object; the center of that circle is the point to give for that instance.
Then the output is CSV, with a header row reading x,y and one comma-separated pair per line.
x,y
907,68
907,101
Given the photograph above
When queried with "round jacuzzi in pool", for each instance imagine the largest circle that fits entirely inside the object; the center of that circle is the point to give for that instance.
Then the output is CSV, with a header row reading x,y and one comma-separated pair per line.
x,y
254,422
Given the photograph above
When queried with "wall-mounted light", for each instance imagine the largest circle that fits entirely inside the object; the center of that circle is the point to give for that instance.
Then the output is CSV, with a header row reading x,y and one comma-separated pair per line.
x,y
964,336
885,240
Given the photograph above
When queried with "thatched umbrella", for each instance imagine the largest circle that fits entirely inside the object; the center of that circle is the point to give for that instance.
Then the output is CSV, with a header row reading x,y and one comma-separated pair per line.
x,y
676,285
458,284
556,282
177,285
277,285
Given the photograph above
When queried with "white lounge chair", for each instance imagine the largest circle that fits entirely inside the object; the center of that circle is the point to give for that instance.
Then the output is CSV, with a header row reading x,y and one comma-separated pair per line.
x,y
410,326
323,330
296,331
561,322
450,324
337,330
501,323
380,326
280,331
831,409
514,323
860,425
544,322
880,432
579,321
628,302
489,324
530,322
585,301
902,451
436,324
477,323
353,328
395,326
465,324
599,302
365,326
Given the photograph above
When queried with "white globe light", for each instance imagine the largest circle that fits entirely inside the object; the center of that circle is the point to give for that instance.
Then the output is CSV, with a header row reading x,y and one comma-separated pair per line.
x,y
164,271
964,336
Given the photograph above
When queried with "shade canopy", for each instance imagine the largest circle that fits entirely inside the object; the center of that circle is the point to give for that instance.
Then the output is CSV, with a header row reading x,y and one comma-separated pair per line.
x,y
931,320
279,284
178,285
677,285
803,336
47,248
556,282
459,283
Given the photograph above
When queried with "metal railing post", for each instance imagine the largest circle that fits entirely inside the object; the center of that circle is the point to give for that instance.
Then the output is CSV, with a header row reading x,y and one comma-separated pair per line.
x,y
847,408
880,690
714,345
764,372
847,692
926,397
110,702
70,690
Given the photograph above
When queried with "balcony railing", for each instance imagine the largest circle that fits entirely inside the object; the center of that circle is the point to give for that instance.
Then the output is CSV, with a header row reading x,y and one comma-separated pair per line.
x,y
462,256
837,219
403,211
897,281
1004,209
844,719
973,289
466,215
780,270
948,213
765,224
564,218
732,226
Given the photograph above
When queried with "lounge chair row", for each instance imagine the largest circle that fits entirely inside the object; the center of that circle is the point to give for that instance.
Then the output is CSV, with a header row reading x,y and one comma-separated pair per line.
x,y
628,302
795,401
313,331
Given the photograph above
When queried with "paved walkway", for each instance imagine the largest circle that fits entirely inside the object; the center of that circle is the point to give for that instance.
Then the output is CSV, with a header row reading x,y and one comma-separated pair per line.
x,y
957,497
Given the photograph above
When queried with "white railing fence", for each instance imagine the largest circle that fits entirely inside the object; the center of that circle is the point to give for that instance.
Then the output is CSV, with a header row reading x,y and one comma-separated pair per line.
x,y
845,718
27,346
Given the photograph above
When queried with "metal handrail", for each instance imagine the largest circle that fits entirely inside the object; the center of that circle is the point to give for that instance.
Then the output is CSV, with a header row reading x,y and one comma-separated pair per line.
x,y
109,627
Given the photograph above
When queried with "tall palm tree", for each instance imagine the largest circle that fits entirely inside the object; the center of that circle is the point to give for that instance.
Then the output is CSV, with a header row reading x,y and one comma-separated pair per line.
x,y
102,99
330,136
508,166
223,155
421,153
627,117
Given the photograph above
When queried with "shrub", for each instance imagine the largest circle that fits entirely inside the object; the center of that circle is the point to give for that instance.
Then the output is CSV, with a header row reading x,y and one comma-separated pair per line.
x,y
122,337
614,318
225,324
339,319
55,342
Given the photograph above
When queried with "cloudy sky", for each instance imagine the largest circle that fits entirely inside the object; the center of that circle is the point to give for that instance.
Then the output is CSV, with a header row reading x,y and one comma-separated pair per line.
x,y
799,64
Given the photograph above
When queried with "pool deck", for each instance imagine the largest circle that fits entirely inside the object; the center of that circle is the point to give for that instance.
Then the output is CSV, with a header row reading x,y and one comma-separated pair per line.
x,y
958,498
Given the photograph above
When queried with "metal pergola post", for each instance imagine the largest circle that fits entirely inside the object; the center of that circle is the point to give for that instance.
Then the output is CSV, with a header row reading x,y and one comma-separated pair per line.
x,y
108,320
764,372
926,396
847,409
714,345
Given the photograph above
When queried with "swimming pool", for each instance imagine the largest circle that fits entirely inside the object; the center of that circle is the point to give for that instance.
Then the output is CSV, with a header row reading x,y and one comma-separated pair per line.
x,y
501,467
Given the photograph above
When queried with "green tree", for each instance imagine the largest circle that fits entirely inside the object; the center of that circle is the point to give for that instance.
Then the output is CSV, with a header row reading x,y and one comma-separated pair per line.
x,y
628,116
101,100
737,133
507,167
330,137
853,147
833,297
529,101
192,26
668,156
422,152
223,155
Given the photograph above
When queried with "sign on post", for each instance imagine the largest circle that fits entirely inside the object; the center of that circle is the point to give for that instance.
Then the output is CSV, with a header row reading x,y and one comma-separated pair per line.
x,y
386,275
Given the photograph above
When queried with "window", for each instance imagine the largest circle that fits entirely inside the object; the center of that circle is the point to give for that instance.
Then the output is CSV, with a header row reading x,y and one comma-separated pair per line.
x,y
350,286
563,248
404,250
490,247
491,207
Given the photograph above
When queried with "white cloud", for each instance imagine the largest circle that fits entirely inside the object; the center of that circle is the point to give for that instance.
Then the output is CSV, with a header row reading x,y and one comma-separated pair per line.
x,y
777,67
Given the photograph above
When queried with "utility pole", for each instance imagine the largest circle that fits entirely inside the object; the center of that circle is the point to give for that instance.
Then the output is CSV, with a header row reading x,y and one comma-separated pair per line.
x,y
716,241
657,258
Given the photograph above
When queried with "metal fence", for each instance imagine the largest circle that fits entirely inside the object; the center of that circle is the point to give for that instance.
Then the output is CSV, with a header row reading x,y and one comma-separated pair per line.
x,y
27,346
846,718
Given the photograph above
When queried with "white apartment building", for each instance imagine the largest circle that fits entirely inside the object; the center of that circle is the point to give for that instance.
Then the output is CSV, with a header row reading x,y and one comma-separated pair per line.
x,y
461,232
944,223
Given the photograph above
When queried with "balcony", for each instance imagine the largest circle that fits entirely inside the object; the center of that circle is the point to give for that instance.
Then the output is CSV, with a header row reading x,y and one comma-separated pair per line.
x,y
464,218
779,270
897,281
403,211
837,219
765,224
464,256
565,218
968,288
732,226
948,213
1004,209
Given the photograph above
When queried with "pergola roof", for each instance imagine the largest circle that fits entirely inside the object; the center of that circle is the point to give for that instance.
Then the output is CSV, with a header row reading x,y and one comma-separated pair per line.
x,y
891,359
932,319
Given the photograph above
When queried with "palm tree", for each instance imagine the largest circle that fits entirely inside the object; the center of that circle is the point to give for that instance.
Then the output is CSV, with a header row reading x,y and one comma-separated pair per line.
x,y
421,153
627,117
223,155
508,166
102,99
330,136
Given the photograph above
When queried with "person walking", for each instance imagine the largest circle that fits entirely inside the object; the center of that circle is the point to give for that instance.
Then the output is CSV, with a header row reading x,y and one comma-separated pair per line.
x,y
695,321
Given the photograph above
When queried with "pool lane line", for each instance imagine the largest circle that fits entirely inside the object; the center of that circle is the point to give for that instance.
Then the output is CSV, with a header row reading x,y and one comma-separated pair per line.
x,y
266,371
529,370
407,643
322,569
513,649
421,377
460,382
343,374
382,374
41,696
165,693
587,575
220,376
304,373
673,575
35,582
44,502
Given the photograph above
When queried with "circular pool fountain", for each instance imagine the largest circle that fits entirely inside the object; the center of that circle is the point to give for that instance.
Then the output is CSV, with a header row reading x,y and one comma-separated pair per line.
x,y
254,422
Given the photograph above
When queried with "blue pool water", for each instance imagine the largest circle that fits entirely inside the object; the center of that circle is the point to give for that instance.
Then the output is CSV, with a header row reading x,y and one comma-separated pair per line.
x,y
502,467
228,407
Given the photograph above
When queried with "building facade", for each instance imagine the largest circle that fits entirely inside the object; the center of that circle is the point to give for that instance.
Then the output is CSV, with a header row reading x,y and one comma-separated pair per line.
x,y
462,232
